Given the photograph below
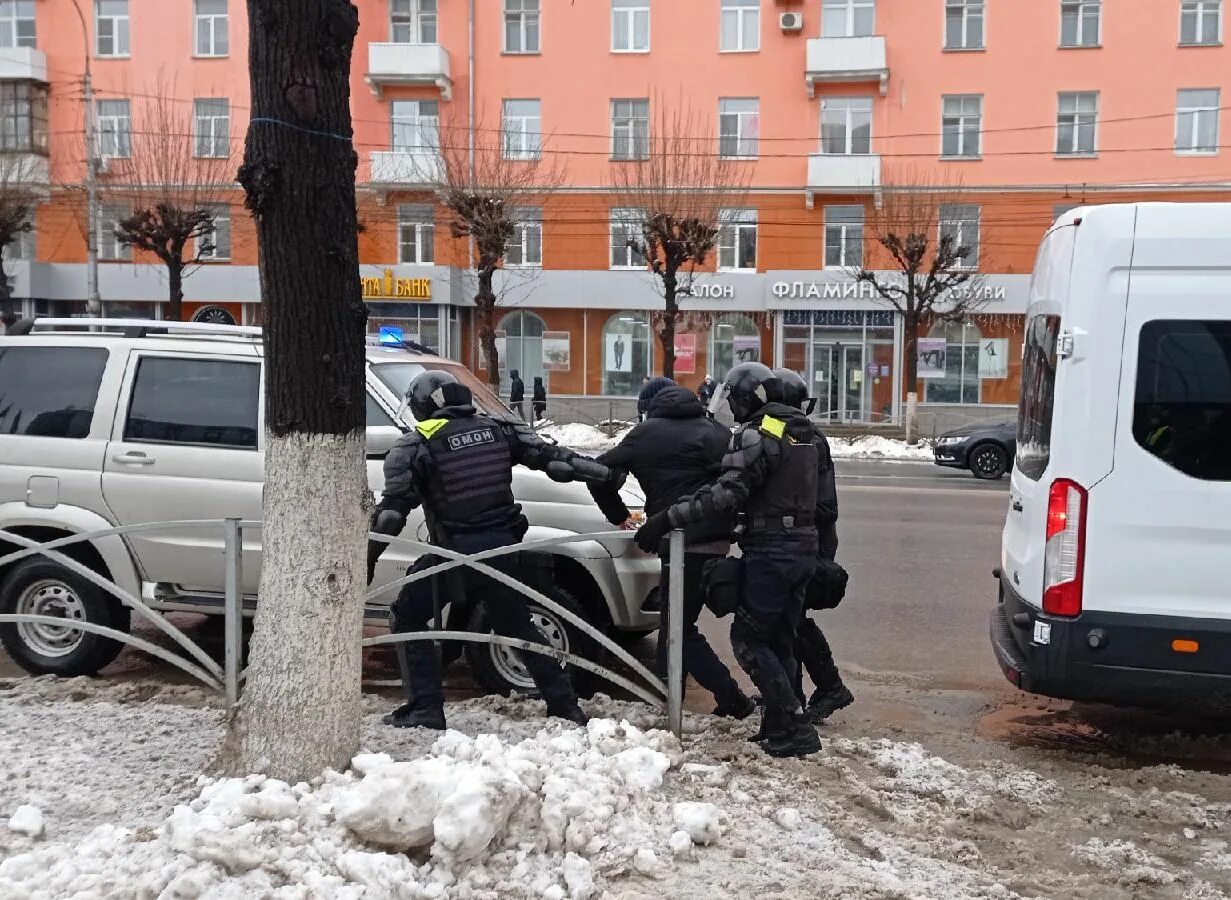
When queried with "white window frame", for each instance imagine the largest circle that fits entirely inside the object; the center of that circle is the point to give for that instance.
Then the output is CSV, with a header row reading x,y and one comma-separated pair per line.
x,y
847,9
416,221
521,134
526,15
1196,114
415,19
625,127
1199,10
110,247
120,31
425,128
1085,9
837,233
746,146
13,13
212,126
952,216
849,109
222,217
1076,120
624,16
960,119
737,228
212,22
968,10
627,221
113,127
747,17
526,222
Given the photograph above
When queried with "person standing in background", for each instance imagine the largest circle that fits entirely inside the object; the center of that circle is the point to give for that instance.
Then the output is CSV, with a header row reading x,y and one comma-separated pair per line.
x,y
517,394
705,393
539,398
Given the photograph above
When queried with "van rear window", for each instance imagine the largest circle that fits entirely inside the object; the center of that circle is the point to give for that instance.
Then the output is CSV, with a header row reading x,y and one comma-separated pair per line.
x,y
1182,405
1034,411
49,391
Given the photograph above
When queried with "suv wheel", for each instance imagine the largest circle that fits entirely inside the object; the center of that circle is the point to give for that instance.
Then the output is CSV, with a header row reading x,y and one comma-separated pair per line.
x,y
500,670
989,462
40,587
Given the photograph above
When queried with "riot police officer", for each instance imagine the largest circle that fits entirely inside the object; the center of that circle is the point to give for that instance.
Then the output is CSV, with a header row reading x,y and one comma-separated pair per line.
x,y
769,476
459,466
812,650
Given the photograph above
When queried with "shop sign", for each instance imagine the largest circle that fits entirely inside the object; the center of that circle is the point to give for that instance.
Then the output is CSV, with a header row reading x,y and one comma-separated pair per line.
x,y
862,290
932,353
839,318
557,351
387,287
713,291
994,358
685,354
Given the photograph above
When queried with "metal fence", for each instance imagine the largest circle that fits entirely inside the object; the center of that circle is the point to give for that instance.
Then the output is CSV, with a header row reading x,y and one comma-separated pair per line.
x,y
228,678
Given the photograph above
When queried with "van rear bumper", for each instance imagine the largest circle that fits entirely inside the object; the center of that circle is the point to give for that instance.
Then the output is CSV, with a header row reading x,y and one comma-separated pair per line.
x,y
1112,657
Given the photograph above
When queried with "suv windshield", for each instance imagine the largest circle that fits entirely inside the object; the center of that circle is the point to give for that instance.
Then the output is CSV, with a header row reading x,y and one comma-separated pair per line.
x,y
397,376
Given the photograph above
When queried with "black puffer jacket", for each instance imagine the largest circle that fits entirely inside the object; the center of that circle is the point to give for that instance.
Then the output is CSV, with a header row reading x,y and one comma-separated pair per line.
x,y
673,453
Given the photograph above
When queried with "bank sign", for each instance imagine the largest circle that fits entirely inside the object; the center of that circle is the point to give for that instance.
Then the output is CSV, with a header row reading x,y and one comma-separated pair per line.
x,y
386,287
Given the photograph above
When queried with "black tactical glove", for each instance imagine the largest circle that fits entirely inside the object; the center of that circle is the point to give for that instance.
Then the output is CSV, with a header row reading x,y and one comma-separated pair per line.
x,y
653,531
384,521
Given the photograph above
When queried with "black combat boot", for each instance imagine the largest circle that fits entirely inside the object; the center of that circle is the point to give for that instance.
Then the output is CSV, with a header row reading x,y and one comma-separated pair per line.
x,y
570,712
413,715
771,724
824,705
798,739
737,706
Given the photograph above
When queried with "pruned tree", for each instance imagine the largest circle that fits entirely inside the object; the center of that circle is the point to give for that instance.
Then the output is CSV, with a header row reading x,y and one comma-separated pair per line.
x,y
301,708
21,185
678,192
931,244
483,185
177,174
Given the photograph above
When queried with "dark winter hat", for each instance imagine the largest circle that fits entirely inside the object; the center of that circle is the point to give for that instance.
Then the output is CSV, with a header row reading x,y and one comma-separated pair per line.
x,y
650,390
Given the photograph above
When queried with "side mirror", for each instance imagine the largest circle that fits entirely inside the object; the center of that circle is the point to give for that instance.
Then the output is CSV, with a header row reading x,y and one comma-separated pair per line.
x,y
380,440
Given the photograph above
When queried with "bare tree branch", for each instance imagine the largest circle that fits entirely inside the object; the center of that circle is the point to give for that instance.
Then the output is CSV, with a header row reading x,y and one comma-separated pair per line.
x,y
20,180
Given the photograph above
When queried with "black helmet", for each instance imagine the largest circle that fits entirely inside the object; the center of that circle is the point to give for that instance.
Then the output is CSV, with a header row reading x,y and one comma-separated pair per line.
x,y
794,391
432,391
747,388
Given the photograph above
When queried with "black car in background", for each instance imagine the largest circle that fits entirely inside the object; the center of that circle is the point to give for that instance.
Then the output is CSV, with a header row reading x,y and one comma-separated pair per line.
x,y
986,449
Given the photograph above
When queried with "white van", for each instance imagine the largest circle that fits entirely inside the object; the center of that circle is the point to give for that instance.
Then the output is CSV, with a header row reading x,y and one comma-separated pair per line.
x,y
1115,575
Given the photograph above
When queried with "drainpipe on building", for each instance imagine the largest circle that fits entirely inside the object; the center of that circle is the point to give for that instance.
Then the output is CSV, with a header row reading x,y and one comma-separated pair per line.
x,y
94,305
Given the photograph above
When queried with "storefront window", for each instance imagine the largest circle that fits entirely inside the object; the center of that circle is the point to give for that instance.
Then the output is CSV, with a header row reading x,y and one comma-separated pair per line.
x,y
846,357
419,322
627,353
736,339
961,382
523,346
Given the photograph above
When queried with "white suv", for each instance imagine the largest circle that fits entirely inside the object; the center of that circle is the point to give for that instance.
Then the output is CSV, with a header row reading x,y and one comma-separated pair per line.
x,y
124,422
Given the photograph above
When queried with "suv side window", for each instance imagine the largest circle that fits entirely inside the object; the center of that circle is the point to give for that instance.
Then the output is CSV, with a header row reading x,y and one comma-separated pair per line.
x,y
377,417
1182,404
49,391
1034,411
188,401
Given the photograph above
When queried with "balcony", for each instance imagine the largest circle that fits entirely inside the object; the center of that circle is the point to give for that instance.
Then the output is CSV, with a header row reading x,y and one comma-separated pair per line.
x,y
23,64
415,65
406,168
830,173
843,60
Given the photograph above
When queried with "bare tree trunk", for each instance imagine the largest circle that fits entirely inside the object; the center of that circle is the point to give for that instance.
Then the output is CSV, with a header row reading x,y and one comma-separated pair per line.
x,y
175,295
910,340
667,335
301,708
485,307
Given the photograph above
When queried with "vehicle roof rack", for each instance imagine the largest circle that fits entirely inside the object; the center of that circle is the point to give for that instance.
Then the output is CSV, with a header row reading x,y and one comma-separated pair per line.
x,y
132,327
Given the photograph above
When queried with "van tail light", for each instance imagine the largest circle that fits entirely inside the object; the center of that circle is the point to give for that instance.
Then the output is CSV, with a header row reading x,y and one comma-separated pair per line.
x,y
1064,558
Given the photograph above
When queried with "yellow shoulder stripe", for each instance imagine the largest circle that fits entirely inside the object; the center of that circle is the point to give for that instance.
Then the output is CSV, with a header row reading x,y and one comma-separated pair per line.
x,y
774,427
430,427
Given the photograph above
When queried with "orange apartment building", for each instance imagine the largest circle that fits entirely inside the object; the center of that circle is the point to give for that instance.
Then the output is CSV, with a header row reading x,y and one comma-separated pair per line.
x,y
1031,105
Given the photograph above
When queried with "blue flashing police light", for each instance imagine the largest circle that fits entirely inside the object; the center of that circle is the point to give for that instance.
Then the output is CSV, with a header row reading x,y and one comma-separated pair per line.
x,y
390,334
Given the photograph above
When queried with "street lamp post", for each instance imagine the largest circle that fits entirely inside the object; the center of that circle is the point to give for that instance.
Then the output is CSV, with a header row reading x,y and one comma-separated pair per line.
x,y
94,304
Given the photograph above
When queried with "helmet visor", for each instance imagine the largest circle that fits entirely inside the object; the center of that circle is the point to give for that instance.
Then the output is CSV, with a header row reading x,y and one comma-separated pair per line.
x,y
719,401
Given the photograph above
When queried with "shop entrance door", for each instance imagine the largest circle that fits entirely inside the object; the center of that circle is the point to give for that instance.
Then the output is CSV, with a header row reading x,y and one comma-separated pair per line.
x,y
838,381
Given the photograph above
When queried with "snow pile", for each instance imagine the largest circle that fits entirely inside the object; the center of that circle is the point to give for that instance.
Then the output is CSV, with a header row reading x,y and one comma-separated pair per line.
x,y
27,820
877,447
580,436
1132,864
550,816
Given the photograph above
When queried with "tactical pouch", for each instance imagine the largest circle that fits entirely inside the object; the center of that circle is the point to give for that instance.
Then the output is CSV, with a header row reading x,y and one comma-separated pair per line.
x,y
722,583
827,586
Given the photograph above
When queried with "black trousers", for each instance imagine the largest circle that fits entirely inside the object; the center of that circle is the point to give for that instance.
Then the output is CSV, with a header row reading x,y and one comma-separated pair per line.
x,y
700,660
506,611
812,650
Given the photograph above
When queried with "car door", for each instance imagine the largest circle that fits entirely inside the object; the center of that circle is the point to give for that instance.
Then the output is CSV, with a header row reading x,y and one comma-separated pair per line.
x,y
187,444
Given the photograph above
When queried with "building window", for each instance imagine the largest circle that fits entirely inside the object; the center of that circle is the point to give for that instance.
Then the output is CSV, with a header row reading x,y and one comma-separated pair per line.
x,y
1196,121
961,382
739,127
1077,124
960,222
1079,23
525,250
17,23
522,129
22,247
211,26
1200,22
741,26
416,234
216,247
213,127
964,24
416,125
630,129
521,26
846,125
848,18
843,237
412,21
626,230
111,27
523,347
630,26
626,353
737,239
962,125
110,247
23,117
114,129
736,339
